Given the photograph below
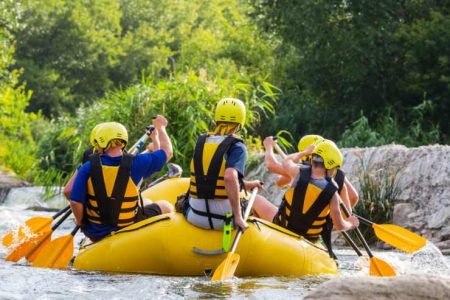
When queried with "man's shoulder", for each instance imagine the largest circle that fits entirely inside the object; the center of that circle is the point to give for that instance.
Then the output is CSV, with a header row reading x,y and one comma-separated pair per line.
x,y
86,167
159,155
239,144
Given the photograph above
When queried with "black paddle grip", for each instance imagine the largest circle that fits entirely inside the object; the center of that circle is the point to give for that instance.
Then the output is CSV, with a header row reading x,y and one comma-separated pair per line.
x,y
61,212
63,218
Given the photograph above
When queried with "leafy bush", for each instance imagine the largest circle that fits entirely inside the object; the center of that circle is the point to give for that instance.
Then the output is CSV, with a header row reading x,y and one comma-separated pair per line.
x,y
378,191
389,129
187,101
360,134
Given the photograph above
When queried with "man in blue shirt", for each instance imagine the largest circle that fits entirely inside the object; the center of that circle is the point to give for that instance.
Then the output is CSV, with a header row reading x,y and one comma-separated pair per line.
x,y
105,193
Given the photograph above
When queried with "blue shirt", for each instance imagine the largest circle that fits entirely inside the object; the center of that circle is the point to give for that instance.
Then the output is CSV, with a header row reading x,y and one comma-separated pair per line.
x,y
143,166
236,156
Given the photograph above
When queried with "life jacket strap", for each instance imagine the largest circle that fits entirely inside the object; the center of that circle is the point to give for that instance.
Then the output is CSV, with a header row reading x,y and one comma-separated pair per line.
x,y
109,208
208,212
208,215
339,179
326,236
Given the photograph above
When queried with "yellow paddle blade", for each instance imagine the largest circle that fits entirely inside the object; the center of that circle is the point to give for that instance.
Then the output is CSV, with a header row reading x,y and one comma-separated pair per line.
x,y
399,237
379,267
29,246
227,267
31,256
33,225
12,235
56,255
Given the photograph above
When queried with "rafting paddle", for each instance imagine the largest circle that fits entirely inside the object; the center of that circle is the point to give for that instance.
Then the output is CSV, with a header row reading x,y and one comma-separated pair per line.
x,y
33,225
31,247
58,253
228,266
140,143
378,267
396,236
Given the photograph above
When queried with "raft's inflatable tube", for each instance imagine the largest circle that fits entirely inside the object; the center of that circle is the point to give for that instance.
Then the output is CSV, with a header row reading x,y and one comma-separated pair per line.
x,y
164,245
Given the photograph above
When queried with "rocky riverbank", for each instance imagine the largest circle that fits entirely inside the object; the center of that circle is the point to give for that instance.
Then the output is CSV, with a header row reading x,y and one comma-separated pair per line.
x,y
420,177
7,182
384,288
422,201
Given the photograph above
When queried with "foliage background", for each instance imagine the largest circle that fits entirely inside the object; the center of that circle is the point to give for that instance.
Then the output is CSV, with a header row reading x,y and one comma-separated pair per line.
x,y
363,73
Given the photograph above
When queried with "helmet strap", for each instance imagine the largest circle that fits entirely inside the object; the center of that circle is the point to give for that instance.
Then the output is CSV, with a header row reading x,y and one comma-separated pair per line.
x,y
115,143
225,128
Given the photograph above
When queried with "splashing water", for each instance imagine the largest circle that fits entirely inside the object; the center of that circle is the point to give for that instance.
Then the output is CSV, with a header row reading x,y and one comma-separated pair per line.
x,y
428,260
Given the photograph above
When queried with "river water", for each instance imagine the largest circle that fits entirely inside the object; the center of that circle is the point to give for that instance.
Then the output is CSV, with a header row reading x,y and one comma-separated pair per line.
x,y
19,281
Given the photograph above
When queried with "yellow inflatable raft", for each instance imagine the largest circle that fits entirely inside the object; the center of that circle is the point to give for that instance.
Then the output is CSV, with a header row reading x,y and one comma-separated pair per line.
x,y
169,245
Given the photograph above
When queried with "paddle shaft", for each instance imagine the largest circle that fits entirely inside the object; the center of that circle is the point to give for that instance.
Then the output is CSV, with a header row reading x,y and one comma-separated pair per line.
x,y
246,214
63,218
75,230
61,212
364,221
358,233
140,143
349,240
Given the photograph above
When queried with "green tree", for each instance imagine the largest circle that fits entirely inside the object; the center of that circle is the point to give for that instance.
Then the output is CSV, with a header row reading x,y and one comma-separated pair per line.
x,y
73,52
17,147
67,49
339,58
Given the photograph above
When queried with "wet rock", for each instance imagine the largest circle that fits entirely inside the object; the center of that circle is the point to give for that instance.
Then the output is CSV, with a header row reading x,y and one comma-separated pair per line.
x,y
438,219
444,234
42,208
402,212
443,246
7,182
384,288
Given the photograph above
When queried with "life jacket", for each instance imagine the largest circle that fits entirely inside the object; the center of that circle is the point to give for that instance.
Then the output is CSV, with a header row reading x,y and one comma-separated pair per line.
x,y
208,167
112,194
207,172
304,208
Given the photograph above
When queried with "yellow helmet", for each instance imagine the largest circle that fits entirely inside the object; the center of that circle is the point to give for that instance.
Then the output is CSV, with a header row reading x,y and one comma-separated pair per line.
x,y
93,137
111,131
305,141
230,110
330,153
